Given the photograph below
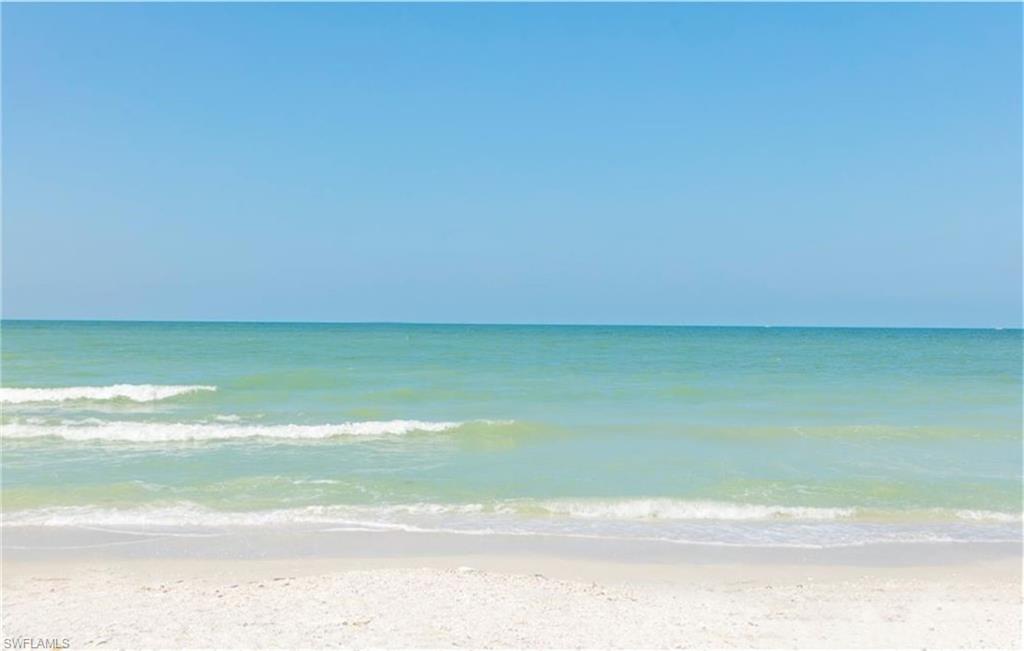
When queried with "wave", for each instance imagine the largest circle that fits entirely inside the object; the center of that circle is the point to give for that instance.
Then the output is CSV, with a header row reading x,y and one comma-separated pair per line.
x,y
190,514
970,515
132,392
667,509
650,511
481,519
185,514
672,509
151,432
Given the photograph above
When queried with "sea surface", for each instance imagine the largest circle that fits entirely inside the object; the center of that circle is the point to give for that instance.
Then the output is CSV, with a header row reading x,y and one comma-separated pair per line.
x,y
786,437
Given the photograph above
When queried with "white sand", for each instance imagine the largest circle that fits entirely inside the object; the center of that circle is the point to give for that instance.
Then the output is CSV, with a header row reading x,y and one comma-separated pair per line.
x,y
514,602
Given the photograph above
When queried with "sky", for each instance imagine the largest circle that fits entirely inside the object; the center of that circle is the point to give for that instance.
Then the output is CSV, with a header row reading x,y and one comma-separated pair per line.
x,y
665,164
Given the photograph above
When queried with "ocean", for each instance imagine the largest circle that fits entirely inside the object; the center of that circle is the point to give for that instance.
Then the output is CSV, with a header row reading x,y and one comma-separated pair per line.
x,y
788,437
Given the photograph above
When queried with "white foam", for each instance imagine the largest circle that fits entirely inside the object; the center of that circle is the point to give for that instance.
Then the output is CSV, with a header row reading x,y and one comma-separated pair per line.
x,y
478,519
179,515
133,392
150,432
986,516
654,509
189,514
671,509
650,511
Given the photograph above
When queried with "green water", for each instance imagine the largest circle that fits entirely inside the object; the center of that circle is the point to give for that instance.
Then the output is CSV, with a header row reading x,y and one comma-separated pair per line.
x,y
733,435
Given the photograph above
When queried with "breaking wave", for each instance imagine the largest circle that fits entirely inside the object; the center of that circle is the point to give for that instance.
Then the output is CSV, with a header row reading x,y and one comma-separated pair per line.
x,y
672,509
151,432
652,511
132,392
709,527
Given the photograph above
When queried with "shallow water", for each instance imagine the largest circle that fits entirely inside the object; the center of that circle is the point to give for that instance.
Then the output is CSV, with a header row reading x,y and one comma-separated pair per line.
x,y
748,436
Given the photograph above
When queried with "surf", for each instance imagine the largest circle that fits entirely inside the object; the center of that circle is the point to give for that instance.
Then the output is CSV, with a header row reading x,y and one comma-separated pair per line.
x,y
130,392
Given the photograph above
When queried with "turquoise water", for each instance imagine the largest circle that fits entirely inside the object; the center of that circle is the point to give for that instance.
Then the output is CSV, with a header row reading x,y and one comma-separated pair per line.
x,y
782,436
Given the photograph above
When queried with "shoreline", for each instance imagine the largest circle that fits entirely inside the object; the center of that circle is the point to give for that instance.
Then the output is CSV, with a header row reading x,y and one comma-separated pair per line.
x,y
41,543
750,565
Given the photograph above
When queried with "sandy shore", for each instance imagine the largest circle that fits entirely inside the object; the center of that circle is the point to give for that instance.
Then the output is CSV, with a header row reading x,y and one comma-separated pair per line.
x,y
508,601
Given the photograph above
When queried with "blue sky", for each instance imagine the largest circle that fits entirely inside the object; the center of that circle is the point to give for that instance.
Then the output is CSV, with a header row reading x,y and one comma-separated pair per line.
x,y
692,164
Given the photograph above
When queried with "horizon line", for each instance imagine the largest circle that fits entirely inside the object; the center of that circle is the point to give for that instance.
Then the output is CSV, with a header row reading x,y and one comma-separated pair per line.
x,y
514,323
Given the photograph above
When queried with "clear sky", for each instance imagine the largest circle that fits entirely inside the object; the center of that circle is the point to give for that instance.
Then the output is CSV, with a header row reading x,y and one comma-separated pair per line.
x,y
691,164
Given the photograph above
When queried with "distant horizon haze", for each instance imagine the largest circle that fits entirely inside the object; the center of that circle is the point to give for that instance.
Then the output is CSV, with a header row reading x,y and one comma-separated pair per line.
x,y
524,324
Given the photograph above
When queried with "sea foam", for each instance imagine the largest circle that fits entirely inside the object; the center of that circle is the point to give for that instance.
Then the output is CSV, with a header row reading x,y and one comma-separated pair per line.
x,y
191,519
670,509
151,432
133,392
675,509
193,514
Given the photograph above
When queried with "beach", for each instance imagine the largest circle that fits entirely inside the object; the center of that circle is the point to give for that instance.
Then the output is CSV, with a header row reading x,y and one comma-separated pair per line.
x,y
377,591
172,485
